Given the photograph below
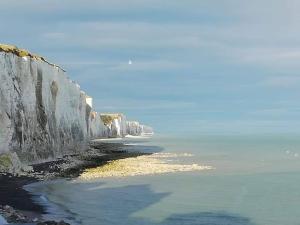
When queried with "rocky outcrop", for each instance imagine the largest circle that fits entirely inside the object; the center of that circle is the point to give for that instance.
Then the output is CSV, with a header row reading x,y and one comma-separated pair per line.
x,y
134,128
13,216
10,163
97,129
115,124
146,130
44,114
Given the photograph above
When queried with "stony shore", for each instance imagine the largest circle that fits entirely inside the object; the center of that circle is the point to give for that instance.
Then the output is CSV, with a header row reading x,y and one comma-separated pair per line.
x,y
157,163
17,206
99,161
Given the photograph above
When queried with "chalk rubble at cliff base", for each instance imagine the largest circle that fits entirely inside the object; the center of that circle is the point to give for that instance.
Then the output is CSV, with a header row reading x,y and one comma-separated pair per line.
x,y
45,115
141,165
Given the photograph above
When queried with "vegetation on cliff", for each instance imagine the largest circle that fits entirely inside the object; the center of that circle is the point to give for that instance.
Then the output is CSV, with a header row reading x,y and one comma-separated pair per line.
x,y
23,53
108,118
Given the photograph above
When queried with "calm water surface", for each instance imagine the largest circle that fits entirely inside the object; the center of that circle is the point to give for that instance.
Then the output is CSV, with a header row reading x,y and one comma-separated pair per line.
x,y
256,181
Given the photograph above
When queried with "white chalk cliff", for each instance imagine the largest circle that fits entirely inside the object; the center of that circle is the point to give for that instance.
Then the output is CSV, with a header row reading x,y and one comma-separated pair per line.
x,y
43,114
115,124
136,129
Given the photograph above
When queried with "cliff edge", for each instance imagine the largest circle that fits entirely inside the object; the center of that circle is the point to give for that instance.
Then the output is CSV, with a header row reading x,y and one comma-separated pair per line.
x,y
44,114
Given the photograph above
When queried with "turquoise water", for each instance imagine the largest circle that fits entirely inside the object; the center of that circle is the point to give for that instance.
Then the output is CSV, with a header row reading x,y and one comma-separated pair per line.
x,y
256,181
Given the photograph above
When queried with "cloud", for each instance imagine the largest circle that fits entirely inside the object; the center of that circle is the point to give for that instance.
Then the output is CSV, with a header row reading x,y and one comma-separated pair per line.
x,y
282,82
122,66
248,126
221,60
231,43
269,112
54,35
252,34
129,103
148,65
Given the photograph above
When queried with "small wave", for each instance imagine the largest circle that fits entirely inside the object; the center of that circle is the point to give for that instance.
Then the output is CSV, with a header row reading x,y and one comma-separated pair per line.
x,y
2,220
171,155
44,199
132,144
53,211
144,136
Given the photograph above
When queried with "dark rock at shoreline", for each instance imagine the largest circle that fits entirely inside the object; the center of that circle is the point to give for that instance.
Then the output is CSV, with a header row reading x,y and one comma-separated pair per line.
x,y
16,217
71,166
53,223
12,216
13,194
18,202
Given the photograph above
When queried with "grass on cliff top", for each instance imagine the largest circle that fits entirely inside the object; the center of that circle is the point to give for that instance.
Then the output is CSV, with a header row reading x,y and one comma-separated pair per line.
x,y
5,161
109,117
23,53
18,51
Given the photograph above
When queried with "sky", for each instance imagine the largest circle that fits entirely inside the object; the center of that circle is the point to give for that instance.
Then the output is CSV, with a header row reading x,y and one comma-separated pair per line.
x,y
198,66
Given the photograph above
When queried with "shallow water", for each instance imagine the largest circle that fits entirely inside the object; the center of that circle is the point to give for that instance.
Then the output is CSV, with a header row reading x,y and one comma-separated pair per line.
x,y
2,220
256,181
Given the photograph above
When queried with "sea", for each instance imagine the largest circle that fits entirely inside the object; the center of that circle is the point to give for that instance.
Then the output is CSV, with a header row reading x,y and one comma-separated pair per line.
x,y
255,180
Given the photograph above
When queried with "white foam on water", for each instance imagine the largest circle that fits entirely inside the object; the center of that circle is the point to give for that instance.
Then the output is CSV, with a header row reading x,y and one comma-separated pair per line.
x,y
132,144
2,220
53,211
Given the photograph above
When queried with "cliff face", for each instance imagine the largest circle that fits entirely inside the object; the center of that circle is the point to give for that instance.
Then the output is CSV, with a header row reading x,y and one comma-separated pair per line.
x,y
134,128
42,113
146,130
115,124
97,129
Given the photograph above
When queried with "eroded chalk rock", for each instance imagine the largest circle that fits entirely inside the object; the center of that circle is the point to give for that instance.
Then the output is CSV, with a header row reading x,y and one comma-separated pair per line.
x,y
43,114
136,129
115,124
10,163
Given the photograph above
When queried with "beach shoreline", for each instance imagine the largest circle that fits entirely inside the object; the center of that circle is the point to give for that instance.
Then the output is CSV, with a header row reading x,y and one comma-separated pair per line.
x,y
18,205
103,159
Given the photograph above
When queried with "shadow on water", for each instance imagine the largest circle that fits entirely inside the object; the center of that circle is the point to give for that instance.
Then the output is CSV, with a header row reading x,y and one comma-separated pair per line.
x,y
126,146
206,218
142,148
97,204
111,206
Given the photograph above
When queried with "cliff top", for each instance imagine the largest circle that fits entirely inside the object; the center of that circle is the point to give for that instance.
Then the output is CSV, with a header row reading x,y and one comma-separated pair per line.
x,y
23,53
107,118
